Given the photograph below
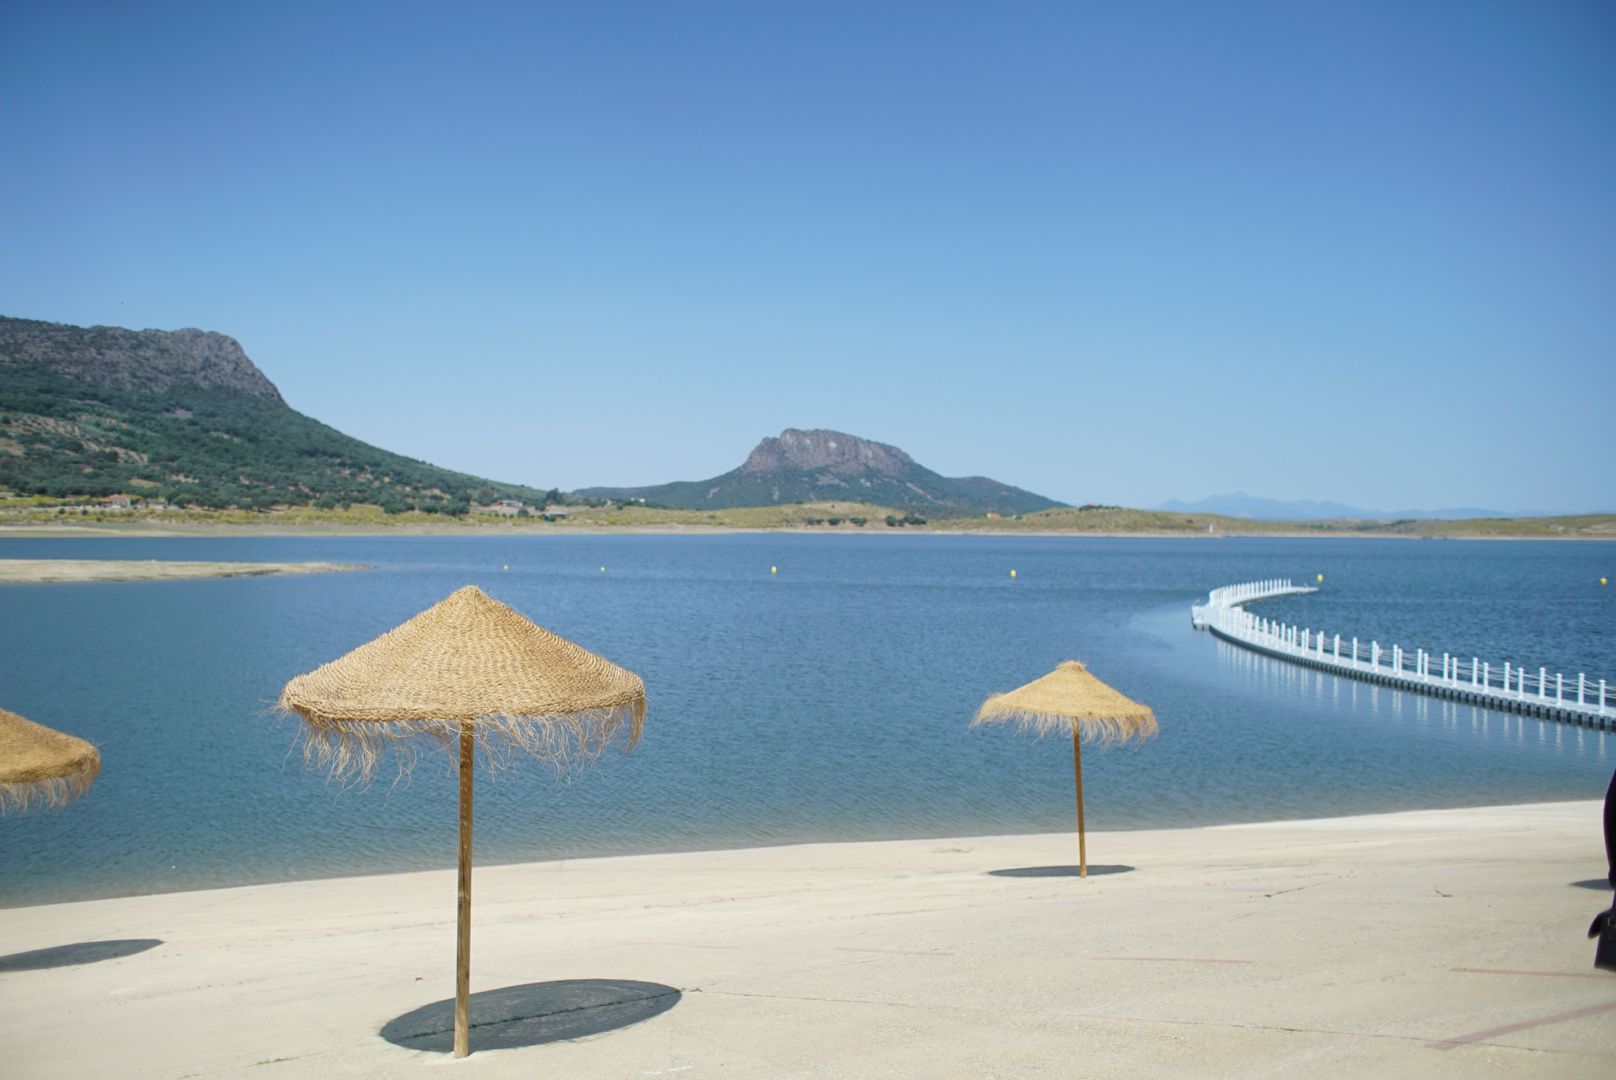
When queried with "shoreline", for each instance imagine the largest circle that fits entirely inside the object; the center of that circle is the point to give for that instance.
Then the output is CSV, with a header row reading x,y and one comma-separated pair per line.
x,y
119,531
1334,821
1416,943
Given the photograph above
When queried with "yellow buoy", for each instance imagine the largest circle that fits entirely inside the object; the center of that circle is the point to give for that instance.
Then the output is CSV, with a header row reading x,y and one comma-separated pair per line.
x,y
603,569
1604,581
507,566
1012,573
774,569
1321,579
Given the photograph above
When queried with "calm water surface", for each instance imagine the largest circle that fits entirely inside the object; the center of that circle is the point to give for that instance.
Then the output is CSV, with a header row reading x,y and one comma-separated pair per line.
x,y
827,702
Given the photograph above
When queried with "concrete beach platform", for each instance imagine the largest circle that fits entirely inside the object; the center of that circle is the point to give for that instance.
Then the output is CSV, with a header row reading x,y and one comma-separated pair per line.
x,y
1424,944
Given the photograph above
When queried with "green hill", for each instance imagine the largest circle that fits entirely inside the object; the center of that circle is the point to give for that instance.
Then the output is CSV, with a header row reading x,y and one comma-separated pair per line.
x,y
184,416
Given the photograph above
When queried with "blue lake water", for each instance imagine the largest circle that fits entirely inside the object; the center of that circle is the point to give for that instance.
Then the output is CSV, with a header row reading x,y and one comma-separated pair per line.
x,y
826,702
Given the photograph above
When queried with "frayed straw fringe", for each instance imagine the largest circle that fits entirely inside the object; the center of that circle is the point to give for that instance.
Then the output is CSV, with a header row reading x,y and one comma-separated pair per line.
x,y
57,791
1104,730
349,751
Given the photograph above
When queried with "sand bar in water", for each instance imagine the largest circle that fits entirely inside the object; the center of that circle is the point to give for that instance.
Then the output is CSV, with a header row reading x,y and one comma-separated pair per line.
x,y
53,571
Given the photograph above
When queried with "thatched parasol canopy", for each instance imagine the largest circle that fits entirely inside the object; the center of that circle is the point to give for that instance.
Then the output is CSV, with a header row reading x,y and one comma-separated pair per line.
x,y
39,765
469,660
1071,701
471,671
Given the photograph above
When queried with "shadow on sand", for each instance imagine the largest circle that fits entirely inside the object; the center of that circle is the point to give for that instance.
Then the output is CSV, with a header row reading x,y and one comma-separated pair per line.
x,y
1597,883
534,1013
1059,871
82,952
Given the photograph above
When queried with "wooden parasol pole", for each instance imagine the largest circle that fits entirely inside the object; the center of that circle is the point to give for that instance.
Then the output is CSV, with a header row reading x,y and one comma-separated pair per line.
x,y
462,1032
1077,768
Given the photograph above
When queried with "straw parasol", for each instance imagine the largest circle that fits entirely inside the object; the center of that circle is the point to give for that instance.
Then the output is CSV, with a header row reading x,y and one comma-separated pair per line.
x,y
1072,701
473,672
39,765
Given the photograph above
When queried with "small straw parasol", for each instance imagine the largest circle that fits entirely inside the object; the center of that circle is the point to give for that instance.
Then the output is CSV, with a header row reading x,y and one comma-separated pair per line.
x,y
39,765
471,671
1071,700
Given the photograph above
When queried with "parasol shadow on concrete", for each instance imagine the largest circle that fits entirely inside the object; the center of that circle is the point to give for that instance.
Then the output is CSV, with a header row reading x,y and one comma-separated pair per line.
x,y
1059,871
80,952
533,1014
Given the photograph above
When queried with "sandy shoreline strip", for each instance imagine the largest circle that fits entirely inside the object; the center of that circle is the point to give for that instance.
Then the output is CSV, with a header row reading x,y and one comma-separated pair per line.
x,y
170,531
1417,944
55,571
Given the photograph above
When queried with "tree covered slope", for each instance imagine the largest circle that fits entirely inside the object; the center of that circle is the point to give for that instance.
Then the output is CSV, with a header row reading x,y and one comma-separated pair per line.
x,y
185,416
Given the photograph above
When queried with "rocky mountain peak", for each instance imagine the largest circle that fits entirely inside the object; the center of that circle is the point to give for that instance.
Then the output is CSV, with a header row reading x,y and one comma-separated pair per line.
x,y
145,361
812,466
832,451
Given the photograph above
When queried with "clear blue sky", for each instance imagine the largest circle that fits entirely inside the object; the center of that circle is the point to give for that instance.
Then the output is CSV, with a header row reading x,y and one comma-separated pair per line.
x,y
1118,252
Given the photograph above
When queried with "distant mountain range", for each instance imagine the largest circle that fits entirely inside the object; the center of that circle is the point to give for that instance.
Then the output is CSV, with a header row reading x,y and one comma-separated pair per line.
x,y
184,416
1241,505
814,466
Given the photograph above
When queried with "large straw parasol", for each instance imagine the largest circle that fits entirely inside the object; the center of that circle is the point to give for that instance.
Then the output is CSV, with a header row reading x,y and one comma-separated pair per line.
x,y
39,765
473,671
1072,701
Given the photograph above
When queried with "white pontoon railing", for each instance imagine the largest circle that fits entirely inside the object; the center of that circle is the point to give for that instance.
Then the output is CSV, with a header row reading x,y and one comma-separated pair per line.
x,y
1507,686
